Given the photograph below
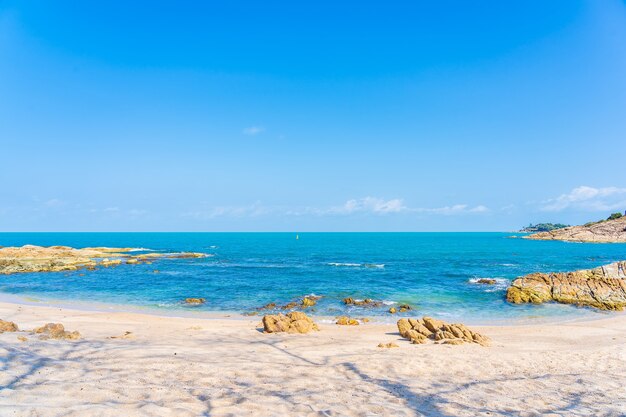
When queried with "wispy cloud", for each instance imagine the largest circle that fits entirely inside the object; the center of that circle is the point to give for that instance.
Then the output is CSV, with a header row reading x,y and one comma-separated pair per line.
x,y
363,206
371,205
588,199
252,210
253,130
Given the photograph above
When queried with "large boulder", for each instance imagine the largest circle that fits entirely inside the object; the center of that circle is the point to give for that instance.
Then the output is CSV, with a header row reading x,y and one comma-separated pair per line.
x,y
419,331
603,287
55,331
294,322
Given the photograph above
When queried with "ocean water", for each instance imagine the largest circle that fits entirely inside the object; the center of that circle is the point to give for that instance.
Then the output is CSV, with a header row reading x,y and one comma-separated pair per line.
x,y
434,272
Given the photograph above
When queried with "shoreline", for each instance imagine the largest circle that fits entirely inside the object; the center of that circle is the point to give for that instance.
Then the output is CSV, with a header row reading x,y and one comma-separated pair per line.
x,y
588,314
144,365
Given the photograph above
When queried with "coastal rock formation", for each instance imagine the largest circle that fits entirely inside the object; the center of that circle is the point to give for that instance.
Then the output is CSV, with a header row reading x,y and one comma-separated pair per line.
x,y
603,287
294,322
55,331
30,258
419,331
486,281
603,231
347,321
8,326
195,301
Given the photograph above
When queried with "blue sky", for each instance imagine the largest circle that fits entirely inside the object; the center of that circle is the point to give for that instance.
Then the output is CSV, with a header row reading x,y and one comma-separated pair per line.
x,y
297,116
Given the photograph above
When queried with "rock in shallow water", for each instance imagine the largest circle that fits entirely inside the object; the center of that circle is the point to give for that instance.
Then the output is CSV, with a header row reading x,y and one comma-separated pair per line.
x,y
195,301
603,287
294,322
419,331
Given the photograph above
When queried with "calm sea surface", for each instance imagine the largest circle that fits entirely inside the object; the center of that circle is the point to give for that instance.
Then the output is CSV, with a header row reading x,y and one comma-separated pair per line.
x,y
434,272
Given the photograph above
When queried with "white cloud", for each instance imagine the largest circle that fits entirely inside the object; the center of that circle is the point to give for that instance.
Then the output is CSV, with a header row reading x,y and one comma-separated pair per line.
x,y
588,199
253,130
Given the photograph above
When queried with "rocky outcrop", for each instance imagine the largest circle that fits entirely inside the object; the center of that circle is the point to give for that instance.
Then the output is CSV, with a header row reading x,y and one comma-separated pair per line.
x,y
55,331
603,231
420,331
31,258
603,287
294,322
8,326
486,281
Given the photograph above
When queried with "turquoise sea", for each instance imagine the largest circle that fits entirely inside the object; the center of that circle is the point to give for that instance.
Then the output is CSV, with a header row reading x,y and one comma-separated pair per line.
x,y
434,272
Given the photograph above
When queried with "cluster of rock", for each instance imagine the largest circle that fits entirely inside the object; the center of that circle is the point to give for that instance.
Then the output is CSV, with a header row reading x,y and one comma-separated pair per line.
x,y
346,321
419,331
30,258
368,302
294,322
48,331
604,231
603,287
304,302
402,308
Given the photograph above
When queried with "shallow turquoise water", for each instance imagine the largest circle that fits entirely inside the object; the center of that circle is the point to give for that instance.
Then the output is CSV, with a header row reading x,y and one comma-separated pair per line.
x,y
432,271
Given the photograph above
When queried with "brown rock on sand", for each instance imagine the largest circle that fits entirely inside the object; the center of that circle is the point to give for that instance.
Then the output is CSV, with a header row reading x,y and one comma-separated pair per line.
x,y
346,321
420,330
55,331
294,322
8,326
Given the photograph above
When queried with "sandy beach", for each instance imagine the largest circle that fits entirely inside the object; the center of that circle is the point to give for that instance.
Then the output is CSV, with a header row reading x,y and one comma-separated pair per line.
x,y
171,366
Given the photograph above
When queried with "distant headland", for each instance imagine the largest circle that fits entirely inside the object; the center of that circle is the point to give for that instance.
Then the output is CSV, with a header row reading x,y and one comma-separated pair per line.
x,y
610,230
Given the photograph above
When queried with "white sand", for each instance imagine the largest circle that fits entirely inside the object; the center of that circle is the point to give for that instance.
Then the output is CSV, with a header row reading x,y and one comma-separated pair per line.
x,y
221,367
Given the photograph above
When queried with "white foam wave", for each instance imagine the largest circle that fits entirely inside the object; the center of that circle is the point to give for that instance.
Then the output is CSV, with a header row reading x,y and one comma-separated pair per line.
x,y
141,250
343,264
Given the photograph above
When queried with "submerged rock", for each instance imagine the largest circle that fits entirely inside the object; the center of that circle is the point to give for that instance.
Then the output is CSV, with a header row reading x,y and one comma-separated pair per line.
x,y
8,326
308,302
195,301
603,287
346,321
55,331
294,322
486,281
419,331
